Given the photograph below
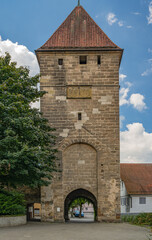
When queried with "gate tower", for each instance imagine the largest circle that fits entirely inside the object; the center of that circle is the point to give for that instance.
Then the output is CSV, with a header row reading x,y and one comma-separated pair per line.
x,y
79,68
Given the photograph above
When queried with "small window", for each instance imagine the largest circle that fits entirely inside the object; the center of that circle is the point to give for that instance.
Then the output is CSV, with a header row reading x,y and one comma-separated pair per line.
x,y
99,60
142,200
60,61
83,59
79,116
36,211
125,201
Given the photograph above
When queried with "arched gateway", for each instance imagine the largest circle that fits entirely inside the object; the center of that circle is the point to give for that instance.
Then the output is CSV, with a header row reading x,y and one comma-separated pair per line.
x,y
79,68
79,193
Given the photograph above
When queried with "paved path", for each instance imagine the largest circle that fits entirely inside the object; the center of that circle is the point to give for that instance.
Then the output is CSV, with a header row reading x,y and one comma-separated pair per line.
x,y
74,231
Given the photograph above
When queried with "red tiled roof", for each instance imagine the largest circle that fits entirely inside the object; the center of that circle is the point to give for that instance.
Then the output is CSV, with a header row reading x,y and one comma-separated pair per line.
x,y
79,31
137,178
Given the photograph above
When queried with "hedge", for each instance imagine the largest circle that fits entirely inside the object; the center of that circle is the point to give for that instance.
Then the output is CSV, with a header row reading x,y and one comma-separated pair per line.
x,y
11,203
141,219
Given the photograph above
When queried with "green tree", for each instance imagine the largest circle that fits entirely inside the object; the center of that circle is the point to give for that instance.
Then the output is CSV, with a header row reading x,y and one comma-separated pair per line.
x,y
79,202
27,152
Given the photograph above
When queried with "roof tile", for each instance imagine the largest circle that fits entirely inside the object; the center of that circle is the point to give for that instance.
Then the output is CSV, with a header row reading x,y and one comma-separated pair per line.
x,y
137,178
79,31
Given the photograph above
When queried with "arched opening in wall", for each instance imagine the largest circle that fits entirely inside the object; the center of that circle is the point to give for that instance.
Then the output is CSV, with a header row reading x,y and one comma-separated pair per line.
x,y
34,212
80,206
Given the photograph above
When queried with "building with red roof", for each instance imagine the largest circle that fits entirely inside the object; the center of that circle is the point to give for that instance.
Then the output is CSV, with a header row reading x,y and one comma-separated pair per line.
x,y
136,188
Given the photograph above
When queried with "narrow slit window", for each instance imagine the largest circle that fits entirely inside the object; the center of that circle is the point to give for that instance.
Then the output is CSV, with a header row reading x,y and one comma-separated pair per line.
x,y
60,61
83,59
79,116
99,60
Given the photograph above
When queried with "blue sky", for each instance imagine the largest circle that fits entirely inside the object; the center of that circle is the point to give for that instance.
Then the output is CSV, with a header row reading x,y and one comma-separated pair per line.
x,y
26,25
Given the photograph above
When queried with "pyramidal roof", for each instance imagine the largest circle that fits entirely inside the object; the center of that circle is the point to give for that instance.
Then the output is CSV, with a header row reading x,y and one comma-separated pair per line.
x,y
78,31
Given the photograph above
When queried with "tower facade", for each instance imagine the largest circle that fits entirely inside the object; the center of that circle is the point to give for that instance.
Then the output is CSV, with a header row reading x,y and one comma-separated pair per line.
x,y
79,68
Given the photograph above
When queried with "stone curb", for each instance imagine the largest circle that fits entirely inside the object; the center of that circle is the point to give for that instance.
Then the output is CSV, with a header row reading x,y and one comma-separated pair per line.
x,y
149,236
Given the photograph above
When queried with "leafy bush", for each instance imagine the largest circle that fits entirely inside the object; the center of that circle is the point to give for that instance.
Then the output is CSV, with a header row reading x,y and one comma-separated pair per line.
x,y
12,203
141,219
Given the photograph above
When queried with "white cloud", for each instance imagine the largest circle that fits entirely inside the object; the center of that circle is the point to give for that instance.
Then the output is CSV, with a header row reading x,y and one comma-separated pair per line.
x,y
122,118
135,144
20,54
123,96
122,77
149,50
150,14
137,100
120,23
129,84
111,18
148,70
136,13
36,105
129,26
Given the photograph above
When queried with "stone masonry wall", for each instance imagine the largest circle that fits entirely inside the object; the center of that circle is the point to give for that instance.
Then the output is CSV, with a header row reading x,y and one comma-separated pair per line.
x,y
98,130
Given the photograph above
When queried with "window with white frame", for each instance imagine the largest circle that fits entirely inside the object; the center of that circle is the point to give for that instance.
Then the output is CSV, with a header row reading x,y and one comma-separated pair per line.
x,y
125,201
142,200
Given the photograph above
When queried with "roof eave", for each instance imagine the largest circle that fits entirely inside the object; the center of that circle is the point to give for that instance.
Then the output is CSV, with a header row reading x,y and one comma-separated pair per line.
x,y
140,193
76,49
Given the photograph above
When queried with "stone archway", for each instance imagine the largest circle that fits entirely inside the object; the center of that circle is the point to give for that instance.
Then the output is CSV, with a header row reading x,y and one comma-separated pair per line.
x,y
77,194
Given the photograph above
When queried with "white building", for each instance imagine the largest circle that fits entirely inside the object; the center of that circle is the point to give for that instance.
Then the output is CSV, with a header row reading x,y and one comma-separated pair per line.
x,y
136,188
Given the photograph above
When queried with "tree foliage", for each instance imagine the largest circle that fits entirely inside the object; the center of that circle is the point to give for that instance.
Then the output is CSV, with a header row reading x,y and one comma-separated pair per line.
x,y
11,203
27,154
78,202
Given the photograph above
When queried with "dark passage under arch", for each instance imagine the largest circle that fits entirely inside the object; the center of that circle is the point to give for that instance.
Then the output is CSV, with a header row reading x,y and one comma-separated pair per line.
x,y
77,194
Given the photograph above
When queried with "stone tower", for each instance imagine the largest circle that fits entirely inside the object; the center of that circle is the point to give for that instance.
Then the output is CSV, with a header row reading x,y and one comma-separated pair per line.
x,y
79,68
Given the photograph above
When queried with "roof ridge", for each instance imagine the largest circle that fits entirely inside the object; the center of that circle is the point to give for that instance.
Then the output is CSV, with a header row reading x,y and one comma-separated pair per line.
x,y
59,26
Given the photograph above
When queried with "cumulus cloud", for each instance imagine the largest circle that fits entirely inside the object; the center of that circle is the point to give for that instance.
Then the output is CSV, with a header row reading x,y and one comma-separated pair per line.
x,y
129,84
122,76
36,105
124,96
135,144
23,57
136,13
137,100
149,50
148,71
111,18
129,26
20,54
122,118
149,18
120,23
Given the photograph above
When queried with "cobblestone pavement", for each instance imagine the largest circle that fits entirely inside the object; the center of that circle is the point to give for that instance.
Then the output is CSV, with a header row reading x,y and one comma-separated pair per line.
x,y
74,231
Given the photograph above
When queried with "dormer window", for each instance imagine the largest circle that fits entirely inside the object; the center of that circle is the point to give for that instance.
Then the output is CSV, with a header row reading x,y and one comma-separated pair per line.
x,y
60,62
83,59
